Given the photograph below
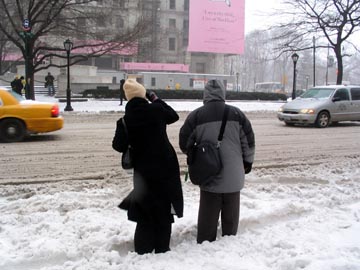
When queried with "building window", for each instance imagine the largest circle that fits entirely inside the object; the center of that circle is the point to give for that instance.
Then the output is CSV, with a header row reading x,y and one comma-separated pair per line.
x,y
186,25
172,4
153,81
186,5
81,22
104,62
119,22
119,3
100,21
200,68
172,44
172,23
185,41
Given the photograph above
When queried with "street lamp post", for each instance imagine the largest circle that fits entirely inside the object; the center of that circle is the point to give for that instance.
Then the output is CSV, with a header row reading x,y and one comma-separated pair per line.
x,y
27,36
237,81
314,67
295,58
68,46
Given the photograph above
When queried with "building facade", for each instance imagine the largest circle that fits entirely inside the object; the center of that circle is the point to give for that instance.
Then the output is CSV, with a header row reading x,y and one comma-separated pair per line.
x,y
166,41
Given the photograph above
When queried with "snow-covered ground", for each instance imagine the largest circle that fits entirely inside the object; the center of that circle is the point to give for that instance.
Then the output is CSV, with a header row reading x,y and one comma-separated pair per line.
x,y
297,216
93,105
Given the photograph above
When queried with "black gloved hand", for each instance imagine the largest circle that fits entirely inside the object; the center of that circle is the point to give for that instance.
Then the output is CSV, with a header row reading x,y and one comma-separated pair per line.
x,y
247,167
150,95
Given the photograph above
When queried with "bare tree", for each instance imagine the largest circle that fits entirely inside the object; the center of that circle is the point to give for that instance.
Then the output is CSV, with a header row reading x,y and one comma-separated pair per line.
x,y
262,64
3,52
4,48
51,21
331,21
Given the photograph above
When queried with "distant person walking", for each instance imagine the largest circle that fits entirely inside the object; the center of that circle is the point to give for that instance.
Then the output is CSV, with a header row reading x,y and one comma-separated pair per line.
x,y
16,85
222,194
23,82
157,193
49,83
122,93
27,89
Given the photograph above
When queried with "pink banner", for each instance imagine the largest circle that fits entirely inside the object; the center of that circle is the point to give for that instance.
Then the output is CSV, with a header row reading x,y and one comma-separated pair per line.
x,y
217,26
13,57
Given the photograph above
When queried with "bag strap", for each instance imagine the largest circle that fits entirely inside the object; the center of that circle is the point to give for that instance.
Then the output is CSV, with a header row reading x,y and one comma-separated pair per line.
x,y
125,127
126,130
223,124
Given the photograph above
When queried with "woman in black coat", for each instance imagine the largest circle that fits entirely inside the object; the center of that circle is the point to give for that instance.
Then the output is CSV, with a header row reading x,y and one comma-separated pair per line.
x,y
157,193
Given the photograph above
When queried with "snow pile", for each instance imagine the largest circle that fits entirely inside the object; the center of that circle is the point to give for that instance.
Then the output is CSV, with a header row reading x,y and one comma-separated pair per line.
x,y
294,216
308,222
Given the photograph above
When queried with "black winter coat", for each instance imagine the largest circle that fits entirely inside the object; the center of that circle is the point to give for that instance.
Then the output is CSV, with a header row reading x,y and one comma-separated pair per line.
x,y
157,184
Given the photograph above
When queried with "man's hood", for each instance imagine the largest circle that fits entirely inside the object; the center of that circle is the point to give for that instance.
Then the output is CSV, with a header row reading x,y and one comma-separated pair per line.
x,y
214,91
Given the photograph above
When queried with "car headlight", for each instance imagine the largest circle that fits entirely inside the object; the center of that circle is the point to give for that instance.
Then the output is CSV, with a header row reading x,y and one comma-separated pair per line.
x,y
307,111
281,109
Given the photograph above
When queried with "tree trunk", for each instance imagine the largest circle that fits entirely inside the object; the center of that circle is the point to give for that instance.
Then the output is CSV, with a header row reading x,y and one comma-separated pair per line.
x,y
29,67
339,73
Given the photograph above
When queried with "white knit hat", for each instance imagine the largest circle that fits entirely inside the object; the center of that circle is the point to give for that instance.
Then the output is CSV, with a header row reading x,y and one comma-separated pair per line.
x,y
134,89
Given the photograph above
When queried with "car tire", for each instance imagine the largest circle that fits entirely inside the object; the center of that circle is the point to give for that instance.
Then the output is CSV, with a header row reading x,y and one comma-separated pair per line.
x,y
322,120
12,130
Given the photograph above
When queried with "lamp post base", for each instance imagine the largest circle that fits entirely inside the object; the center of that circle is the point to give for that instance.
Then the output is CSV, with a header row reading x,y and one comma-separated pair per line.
x,y
68,108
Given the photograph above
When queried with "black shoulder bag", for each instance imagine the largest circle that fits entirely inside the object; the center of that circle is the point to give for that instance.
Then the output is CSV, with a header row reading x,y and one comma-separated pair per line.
x,y
204,160
127,159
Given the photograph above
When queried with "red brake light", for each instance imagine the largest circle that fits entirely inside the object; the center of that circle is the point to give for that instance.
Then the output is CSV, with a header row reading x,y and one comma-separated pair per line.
x,y
55,111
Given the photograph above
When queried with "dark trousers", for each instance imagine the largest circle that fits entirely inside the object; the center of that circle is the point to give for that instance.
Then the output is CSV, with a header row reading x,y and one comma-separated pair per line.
x,y
51,90
150,236
211,204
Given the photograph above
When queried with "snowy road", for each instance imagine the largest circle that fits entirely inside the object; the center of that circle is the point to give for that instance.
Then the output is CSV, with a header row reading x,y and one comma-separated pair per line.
x,y
300,208
82,149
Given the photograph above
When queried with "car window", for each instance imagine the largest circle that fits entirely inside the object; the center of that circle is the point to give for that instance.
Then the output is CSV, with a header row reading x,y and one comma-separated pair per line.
x,y
355,93
17,96
343,94
318,93
1,102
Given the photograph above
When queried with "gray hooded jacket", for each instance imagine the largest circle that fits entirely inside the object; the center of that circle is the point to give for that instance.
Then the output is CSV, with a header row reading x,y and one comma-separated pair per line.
x,y
238,144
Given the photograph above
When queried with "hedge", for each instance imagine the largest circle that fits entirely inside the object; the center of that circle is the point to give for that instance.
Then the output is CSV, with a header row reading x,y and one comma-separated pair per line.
x,y
187,94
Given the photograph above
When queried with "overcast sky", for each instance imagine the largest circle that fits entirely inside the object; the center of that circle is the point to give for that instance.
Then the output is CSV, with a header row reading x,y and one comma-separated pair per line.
x,y
257,16
255,13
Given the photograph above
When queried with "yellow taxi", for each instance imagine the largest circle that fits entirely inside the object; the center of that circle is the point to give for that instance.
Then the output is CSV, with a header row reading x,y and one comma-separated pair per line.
x,y
20,117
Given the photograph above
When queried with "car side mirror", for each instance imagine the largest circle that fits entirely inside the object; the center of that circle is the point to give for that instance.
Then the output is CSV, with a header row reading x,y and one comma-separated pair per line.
x,y
334,99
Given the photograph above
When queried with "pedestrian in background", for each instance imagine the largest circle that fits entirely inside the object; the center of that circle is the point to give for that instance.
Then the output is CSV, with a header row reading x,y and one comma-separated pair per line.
x,y
16,85
23,82
157,192
122,94
49,83
222,194
27,89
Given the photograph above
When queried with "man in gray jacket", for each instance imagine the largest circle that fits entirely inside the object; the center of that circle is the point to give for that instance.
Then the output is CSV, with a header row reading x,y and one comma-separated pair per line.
x,y
237,151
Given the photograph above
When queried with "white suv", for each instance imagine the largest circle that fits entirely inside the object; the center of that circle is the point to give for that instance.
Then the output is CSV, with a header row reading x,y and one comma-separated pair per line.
x,y
323,105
